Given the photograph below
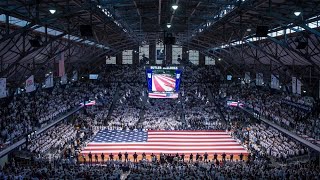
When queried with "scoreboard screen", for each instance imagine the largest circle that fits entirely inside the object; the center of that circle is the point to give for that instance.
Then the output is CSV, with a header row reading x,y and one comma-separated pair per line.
x,y
163,82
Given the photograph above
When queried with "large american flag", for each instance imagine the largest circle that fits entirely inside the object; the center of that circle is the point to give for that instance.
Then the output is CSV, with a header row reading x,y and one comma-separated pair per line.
x,y
163,141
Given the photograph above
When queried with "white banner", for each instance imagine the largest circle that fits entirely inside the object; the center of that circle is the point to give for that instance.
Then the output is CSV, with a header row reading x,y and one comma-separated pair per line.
x,y
247,77
75,76
49,81
259,79
275,82
294,85
30,86
3,87
64,79
298,86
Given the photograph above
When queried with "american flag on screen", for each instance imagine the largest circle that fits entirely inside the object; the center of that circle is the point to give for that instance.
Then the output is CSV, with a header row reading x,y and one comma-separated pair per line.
x,y
163,83
162,141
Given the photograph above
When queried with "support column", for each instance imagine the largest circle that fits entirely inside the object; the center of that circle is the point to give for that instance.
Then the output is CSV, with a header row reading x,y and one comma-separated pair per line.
x,y
169,54
119,58
185,53
202,59
135,55
152,53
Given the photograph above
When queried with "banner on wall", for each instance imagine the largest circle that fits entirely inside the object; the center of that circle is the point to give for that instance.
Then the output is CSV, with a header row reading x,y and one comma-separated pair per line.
x,y
30,85
61,65
259,79
247,78
3,87
49,81
294,85
275,82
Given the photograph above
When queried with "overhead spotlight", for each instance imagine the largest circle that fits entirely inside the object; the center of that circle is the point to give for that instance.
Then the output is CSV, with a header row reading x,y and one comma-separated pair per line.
x,y
169,25
297,13
174,6
219,59
249,30
52,11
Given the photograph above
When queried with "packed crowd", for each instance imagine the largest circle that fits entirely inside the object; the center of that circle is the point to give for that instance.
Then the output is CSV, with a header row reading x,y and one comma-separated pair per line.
x,y
126,112
271,105
191,110
162,114
273,142
254,169
199,112
260,138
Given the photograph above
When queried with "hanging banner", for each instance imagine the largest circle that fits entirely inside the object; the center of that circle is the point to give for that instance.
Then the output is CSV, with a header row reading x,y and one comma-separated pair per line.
x,y
30,85
298,86
275,82
49,81
61,65
259,79
3,87
294,85
64,79
247,78
75,76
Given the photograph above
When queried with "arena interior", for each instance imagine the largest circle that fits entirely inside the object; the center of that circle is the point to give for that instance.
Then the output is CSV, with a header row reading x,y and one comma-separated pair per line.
x,y
160,89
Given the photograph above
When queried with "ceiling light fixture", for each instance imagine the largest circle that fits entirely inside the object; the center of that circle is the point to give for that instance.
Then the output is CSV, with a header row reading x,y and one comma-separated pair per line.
x,y
297,13
174,6
169,25
52,11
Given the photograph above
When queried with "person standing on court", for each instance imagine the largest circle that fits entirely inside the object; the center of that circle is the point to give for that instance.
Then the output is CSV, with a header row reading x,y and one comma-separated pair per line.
x,y
90,158
135,156
205,157
120,156
126,157
102,157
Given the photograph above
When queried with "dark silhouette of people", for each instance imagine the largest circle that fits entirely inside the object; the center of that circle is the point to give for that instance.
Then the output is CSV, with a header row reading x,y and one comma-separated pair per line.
x,y
84,159
102,157
197,157
177,155
111,157
126,157
241,156
231,157
120,156
215,156
205,157
90,158
249,157
96,158
191,158
135,156
224,156
143,155
182,157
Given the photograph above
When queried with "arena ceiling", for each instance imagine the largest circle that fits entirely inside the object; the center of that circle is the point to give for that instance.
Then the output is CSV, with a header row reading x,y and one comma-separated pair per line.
x,y
223,29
